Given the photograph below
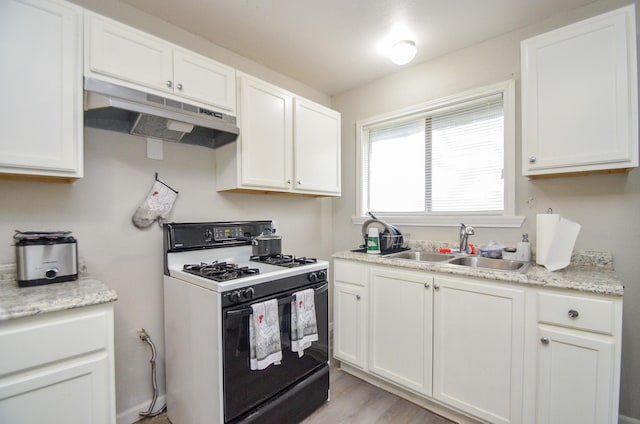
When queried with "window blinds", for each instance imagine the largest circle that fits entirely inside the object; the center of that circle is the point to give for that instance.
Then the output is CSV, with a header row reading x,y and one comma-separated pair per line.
x,y
448,160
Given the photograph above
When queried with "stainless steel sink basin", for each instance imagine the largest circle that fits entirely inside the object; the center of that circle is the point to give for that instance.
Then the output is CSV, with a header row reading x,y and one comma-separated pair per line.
x,y
488,263
421,256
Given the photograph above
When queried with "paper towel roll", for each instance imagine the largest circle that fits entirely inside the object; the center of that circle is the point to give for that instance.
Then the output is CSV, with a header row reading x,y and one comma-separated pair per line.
x,y
546,226
562,245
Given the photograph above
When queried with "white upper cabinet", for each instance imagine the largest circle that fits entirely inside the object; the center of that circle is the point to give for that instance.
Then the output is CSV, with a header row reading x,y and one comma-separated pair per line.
x,y
316,136
41,112
287,144
117,53
580,97
265,122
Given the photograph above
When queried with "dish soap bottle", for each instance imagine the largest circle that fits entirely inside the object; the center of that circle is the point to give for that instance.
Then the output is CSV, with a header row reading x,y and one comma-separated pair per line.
x,y
523,252
373,241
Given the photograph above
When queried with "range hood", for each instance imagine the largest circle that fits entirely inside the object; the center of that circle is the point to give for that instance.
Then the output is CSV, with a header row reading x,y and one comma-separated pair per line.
x,y
116,108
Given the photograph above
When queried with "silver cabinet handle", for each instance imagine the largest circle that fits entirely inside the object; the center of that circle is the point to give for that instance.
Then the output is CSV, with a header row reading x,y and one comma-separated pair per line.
x,y
427,285
357,297
169,83
179,86
299,182
532,159
544,340
573,313
289,181
436,287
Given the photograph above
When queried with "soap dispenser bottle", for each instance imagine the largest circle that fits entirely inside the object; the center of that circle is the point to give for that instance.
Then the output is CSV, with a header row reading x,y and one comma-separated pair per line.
x,y
523,252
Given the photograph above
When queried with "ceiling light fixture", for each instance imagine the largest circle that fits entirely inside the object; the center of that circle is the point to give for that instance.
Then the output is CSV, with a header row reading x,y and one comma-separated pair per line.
x,y
403,52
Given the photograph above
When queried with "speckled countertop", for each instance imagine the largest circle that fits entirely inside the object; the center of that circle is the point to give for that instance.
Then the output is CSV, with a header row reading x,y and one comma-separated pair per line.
x,y
589,271
18,302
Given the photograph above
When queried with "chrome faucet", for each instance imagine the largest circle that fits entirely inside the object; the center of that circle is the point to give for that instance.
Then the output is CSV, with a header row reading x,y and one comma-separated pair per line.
x,y
465,232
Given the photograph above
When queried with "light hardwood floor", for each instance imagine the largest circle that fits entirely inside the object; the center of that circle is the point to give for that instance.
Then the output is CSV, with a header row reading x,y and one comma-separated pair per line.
x,y
355,401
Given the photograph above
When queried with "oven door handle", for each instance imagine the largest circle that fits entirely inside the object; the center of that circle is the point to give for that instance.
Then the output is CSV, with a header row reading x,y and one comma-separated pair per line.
x,y
247,310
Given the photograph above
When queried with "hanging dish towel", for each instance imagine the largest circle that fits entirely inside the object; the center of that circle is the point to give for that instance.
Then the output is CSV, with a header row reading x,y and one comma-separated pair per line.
x,y
264,335
304,329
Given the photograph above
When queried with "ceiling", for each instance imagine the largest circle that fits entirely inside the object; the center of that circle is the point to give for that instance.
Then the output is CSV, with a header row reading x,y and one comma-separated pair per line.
x,y
335,45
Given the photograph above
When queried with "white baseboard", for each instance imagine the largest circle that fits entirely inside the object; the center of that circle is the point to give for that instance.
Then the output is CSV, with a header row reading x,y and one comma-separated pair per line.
x,y
627,420
133,414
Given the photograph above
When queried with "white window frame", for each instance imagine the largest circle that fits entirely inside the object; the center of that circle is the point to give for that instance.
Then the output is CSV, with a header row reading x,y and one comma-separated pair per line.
x,y
507,219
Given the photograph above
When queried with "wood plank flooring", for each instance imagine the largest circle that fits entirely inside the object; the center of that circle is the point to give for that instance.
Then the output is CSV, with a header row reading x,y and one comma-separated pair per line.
x,y
354,401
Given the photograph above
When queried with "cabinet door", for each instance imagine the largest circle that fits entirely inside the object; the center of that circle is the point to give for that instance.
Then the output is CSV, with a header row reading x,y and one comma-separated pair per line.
x,y
265,119
316,154
579,91
121,52
349,323
58,364
575,372
478,348
74,392
204,80
401,327
41,112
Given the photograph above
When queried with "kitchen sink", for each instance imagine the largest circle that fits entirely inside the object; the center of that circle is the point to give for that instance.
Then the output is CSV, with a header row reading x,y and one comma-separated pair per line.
x,y
421,256
488,263
466,261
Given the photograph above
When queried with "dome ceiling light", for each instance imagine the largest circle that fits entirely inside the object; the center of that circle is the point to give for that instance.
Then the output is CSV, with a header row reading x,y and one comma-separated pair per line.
x,y
403,52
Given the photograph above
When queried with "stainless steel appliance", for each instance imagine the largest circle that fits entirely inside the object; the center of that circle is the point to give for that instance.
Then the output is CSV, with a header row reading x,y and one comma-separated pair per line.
x,y
113,107
45,257
211,280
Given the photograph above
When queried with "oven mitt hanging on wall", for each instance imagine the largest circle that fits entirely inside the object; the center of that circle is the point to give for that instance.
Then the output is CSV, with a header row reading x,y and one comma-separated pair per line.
x,y
156,206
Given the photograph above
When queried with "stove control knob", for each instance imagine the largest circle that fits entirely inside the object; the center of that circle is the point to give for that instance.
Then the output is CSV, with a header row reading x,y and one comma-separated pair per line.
x,y
235,296
322,275
313,277
248,293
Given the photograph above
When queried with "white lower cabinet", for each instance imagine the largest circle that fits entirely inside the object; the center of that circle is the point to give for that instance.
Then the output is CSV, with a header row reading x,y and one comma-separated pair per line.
x,y
400,327
350,312
478,348
58,365
578,359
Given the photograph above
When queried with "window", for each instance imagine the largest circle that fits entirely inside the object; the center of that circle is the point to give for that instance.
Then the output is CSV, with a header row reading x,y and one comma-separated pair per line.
x,y
443,161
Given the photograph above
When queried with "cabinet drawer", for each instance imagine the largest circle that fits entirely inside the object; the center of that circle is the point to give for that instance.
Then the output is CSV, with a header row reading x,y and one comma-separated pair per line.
x,y
350,272
578,312
34,341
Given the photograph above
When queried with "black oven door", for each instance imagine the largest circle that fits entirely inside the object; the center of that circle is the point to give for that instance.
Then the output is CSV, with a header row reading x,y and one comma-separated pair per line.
x,y
246,389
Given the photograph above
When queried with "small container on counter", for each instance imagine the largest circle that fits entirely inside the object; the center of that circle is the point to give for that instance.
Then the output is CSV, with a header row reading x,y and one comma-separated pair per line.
x,y
373,241
509,253
523,252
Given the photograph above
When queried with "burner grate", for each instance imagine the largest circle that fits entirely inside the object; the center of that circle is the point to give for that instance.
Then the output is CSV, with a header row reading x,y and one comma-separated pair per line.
x,y
288,261
220,271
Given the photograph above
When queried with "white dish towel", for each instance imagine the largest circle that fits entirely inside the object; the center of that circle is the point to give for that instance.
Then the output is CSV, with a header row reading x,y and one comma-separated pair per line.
x,y
264,335
304,328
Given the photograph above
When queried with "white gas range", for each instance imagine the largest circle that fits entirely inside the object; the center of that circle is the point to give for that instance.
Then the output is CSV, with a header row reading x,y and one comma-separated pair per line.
x,y
211,280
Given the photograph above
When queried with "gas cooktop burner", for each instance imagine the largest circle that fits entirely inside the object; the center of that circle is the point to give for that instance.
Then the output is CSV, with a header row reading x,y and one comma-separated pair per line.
x,y
220,271
288,261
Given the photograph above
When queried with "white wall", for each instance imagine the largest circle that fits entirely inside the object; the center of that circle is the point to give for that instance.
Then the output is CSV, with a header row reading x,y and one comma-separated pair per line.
x,y
98,209
606,206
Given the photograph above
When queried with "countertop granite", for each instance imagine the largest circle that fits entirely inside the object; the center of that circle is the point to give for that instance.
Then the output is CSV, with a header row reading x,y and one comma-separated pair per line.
x,y
18,302
589,271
